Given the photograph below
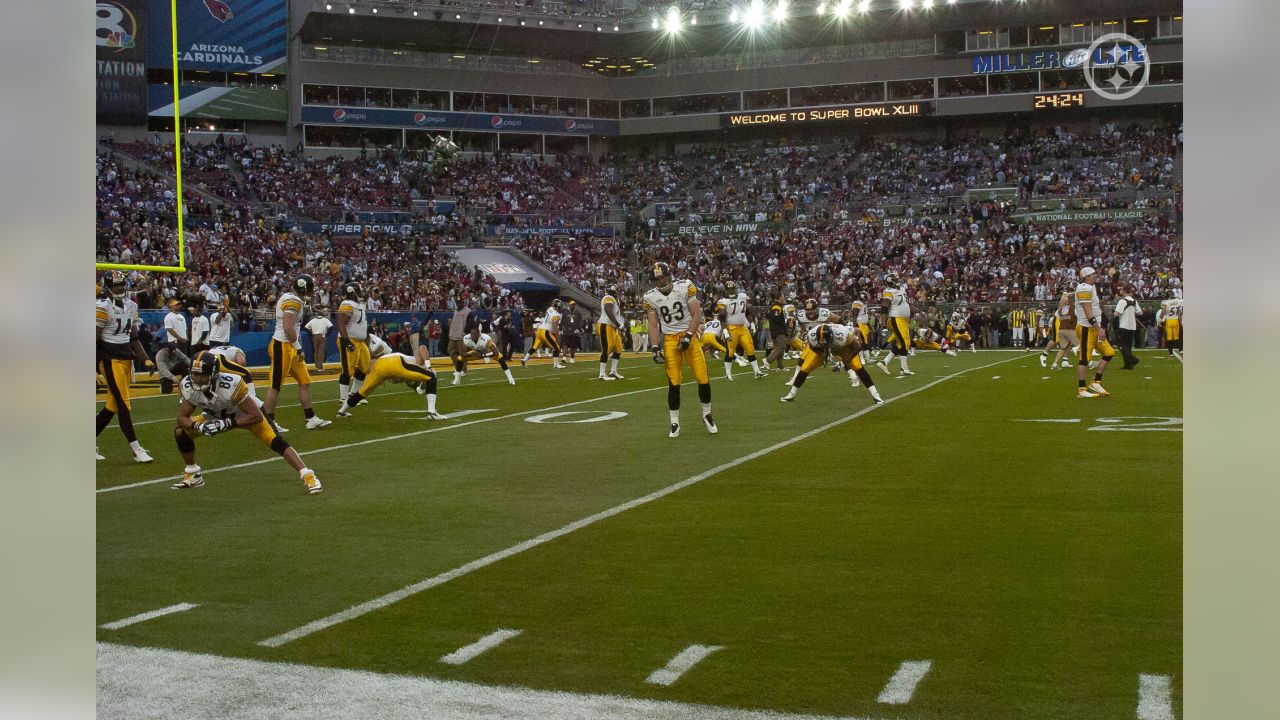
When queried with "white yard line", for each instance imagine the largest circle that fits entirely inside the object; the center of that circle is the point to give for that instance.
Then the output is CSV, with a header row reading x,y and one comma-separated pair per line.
x,y
143,617
151,684
395,596
903,683
680,664
484,644
1155,700
386,438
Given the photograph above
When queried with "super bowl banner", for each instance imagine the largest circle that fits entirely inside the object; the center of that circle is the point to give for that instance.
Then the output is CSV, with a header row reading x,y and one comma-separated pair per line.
x,y
121,40
221,35
443,120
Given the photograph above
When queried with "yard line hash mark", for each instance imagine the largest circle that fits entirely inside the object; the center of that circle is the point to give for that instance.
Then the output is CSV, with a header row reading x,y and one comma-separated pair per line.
x,y
1154,697
680,664
484,644
903,683
143,617
395,596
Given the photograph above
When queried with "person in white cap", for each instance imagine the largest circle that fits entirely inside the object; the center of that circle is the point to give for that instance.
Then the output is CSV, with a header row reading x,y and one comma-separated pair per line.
x,y
1092,336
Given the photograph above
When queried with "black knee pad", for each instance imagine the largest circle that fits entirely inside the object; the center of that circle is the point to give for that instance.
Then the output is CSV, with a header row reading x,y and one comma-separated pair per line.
x,y
673,396
185,443
279,445
704,392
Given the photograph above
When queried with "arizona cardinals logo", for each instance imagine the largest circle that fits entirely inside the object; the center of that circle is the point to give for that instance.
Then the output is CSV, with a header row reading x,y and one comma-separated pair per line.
x,y
219,10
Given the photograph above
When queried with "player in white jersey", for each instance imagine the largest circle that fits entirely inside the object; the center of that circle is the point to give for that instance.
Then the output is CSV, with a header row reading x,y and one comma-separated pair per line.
x,y
224,404
609,329
479,345
1093,336
379,347
733,312
958,329
397,367
231,360
898,310
353,339
825,340
673,312
117,347
285,351
547,336
713,337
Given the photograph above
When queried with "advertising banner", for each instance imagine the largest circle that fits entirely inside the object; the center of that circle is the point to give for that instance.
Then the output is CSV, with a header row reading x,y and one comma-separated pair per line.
x,y
508,230
835,113
1077,217
220,35
733,228
121,40
445,120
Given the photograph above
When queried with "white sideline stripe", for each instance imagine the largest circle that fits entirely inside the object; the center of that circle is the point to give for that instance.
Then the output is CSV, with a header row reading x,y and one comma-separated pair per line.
x,y
1154,697
143,617
488,642
903,683
152,684
395,596
372,441
681,663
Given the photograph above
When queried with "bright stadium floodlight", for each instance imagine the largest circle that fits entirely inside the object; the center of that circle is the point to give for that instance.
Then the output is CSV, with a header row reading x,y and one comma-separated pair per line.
x,y
693,20
842,9
863,6
351,11
754,17
733,15
780,11
673,20
654,24
822,8
926,4
327,6
375,11
906,4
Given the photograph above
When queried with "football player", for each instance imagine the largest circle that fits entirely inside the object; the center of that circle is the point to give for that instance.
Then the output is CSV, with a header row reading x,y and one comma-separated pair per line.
x,y
285,351
732,310
713,339
231,360
225,404
479,346
827,340
116,317
608,329
958,328
546,336
353,339
397,367
674,312
898,310
1092,336
1171,324
1064,334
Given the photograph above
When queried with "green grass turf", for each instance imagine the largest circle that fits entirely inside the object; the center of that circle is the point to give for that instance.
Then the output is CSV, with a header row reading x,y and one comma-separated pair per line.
x,y
1038,565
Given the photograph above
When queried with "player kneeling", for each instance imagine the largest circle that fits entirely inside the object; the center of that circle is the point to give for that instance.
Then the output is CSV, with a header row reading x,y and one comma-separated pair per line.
x,y
840,341
226,403
397,367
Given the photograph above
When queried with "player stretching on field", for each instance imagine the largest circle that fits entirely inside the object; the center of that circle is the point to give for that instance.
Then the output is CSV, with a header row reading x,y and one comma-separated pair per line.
x,y
841,341
225,404
674,312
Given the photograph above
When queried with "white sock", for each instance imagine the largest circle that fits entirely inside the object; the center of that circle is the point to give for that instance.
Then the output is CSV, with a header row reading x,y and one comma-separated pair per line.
x,y
902,359
602,369
508,374
874,392
791,392
675,417
431,402
343,391
136,447
252,391
755,366
191,469
613,365
728,368
853,376
356,384
706,408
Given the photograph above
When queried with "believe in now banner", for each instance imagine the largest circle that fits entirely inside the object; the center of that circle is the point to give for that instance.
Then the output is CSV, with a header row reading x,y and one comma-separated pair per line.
x,y
220,35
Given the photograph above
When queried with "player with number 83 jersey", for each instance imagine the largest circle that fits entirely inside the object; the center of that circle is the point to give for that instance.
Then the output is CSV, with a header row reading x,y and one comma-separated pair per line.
x,y
674,312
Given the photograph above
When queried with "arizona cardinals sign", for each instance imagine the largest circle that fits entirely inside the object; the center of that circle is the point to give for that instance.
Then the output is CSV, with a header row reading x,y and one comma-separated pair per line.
x,y
220,35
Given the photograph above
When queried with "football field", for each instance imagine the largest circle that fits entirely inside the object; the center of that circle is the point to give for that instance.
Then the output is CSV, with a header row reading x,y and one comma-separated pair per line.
x,y
984,545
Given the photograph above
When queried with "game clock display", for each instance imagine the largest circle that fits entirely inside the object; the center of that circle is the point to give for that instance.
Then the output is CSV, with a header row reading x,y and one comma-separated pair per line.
x,y
1058,101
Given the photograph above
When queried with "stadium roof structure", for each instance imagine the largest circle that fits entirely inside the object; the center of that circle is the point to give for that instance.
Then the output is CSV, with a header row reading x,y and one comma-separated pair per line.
x,y
479,26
